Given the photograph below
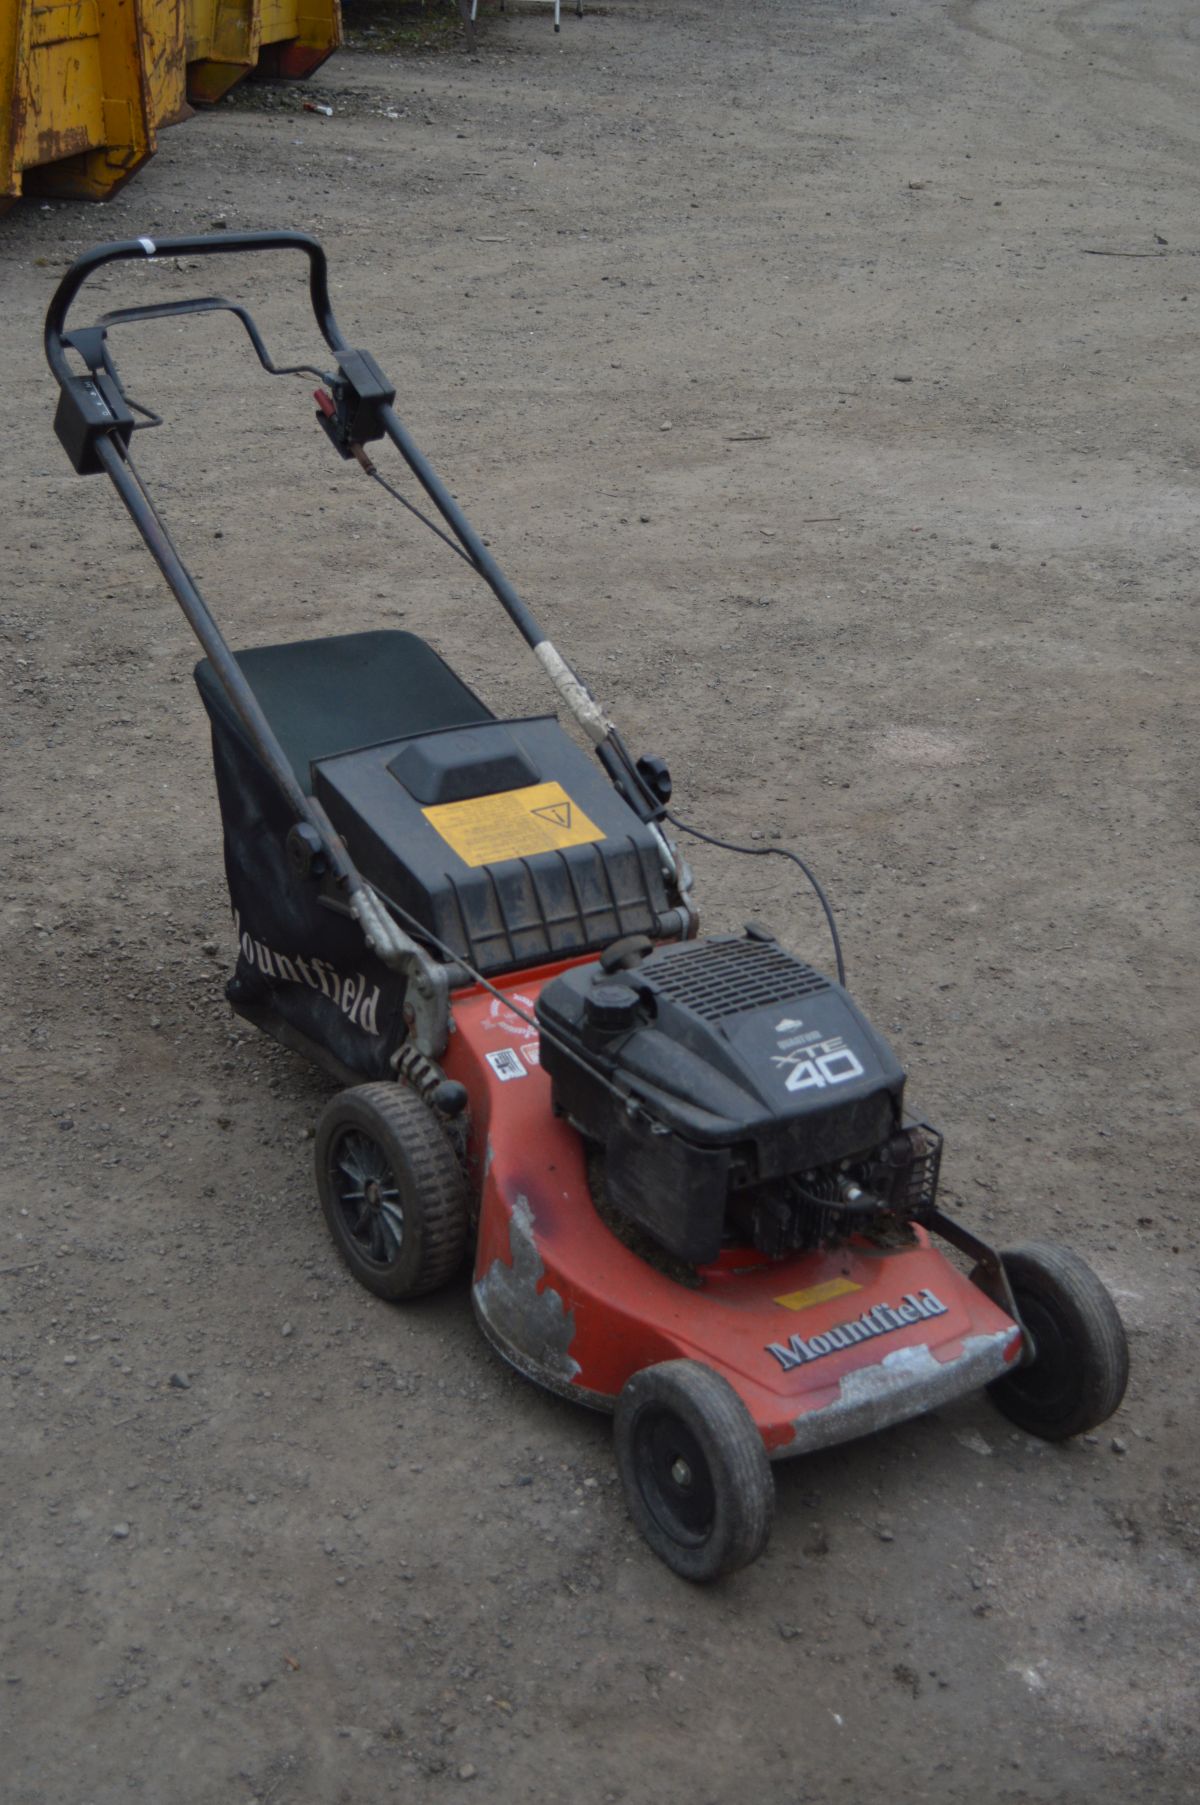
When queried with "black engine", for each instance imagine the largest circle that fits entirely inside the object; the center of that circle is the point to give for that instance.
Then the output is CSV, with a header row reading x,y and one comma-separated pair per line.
x,y
737,1093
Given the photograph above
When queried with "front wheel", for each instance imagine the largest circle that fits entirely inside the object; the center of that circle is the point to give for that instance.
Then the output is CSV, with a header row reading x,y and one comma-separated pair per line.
x,y
696,1475
1080,1366
392,1189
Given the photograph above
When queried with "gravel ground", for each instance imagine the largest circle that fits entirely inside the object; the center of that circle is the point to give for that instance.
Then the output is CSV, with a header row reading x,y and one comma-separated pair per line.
x,y
807,368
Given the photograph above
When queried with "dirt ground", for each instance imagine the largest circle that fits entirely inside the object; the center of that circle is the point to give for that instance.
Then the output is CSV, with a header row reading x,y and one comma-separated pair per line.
x,y
805,367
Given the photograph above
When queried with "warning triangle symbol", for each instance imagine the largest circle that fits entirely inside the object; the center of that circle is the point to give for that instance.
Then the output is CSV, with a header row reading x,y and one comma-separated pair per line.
x,y
557,813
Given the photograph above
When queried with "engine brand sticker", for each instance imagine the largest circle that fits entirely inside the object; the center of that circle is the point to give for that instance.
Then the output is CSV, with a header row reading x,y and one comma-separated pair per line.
x,y
516,824
506,1063
882,1319
809,1062
817,1294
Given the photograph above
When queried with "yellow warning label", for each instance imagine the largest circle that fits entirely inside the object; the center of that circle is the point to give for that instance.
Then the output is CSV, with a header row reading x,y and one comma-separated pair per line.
x,y
817,1294
516,824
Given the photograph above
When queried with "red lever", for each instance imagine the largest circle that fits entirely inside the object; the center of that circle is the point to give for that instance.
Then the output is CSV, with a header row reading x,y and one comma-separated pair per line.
x,y
325,402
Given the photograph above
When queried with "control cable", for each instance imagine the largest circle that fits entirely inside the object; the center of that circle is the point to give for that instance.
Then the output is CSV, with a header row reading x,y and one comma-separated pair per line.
x,y
761,852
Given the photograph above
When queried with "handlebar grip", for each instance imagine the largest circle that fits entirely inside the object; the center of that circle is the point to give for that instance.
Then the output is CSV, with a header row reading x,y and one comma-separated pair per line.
x,y
200,245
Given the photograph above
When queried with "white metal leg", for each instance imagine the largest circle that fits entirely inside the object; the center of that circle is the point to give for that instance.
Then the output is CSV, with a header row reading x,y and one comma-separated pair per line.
x,y
557,11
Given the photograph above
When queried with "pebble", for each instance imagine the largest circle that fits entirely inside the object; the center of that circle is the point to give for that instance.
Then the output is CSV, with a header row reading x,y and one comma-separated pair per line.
x,y
70,1359
180,1382
1119,1446
120,1532
467,1771
886,1535
287,1329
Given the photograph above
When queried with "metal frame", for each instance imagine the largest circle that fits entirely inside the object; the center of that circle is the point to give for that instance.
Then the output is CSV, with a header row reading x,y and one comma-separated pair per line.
x,y
557,5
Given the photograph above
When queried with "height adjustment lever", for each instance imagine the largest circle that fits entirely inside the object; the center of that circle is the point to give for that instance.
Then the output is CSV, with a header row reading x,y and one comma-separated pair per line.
x,y
352,413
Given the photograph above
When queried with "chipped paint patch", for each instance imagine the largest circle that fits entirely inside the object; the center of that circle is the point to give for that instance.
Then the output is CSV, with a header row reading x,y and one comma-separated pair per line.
x,y
905,1383
531,1328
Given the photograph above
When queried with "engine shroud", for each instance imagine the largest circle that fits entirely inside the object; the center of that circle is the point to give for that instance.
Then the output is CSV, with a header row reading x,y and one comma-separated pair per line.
x,y
727,1081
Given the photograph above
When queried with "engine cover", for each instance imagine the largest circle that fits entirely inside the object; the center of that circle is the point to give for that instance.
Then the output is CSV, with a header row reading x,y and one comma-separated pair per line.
x,y
709,1068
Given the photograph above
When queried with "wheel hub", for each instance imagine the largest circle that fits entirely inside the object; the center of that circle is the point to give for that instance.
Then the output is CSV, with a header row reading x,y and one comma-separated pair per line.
x,y
368,1197
674,1475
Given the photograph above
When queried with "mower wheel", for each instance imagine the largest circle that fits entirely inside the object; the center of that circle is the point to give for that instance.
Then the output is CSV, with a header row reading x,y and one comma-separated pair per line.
x,y
392,1189
696,1475
1080,1365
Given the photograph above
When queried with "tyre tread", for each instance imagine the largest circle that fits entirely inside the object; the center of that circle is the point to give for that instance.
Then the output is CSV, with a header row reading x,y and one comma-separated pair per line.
x,y
433,1165
711,1406
1096,1324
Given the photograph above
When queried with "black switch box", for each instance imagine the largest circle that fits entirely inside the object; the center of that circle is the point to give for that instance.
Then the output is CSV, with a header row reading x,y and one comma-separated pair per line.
x,y
88,408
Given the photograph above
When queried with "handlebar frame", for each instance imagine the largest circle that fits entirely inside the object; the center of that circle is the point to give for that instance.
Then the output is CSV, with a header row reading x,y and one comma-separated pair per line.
x,y
56,338
95,423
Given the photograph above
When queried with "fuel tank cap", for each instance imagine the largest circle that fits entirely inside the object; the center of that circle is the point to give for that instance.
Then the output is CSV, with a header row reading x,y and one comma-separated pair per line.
x,y
610,1008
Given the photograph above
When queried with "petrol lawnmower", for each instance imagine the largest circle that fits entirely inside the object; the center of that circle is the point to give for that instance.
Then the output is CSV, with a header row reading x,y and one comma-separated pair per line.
x,y
684,1164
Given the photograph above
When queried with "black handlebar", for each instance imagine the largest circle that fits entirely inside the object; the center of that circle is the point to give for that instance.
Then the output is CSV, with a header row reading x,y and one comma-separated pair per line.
x,y
94,424
203,245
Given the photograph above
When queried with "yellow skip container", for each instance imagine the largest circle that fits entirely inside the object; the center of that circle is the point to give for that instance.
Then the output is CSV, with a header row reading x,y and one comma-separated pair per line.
x,y
76,110
226,39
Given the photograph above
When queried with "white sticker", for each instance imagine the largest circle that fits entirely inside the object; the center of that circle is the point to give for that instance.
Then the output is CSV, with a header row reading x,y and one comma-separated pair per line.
x,y
506,1063
506,1021
149,246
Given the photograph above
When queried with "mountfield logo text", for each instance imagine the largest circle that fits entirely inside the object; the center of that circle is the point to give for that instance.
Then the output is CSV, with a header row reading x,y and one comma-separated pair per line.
x,y
349,994
884,1319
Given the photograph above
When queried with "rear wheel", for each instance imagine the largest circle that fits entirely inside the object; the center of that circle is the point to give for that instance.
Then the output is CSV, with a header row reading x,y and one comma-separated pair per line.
x,y
696,1476
392,1190
1080,1367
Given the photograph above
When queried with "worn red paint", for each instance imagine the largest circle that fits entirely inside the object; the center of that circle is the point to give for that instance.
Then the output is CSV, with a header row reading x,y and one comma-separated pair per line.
x,y
626,1314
